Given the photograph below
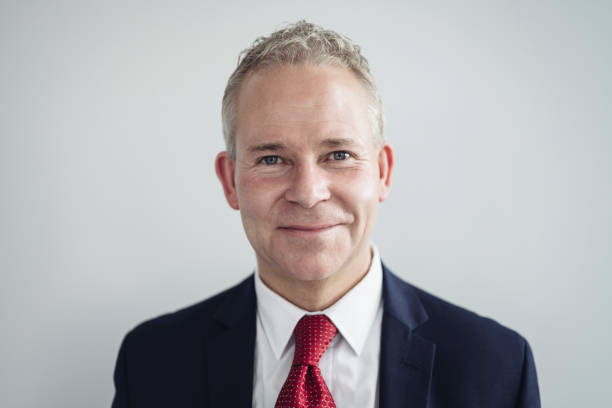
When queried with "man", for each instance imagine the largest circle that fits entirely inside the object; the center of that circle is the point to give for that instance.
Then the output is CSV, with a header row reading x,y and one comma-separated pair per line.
x,y
322,322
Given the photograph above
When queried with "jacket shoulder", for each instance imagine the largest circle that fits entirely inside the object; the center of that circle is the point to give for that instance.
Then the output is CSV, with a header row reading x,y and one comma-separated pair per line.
x,y
162,361
461,336
448,318
476,354
195,321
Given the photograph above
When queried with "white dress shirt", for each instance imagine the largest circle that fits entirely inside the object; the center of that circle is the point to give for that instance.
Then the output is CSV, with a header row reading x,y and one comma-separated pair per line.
x,y
349,366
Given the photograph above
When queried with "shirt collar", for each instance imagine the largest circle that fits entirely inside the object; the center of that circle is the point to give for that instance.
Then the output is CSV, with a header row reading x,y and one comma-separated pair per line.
x,y
278,316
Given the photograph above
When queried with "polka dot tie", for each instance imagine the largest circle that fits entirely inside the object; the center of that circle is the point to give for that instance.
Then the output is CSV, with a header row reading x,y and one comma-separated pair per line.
x,y
305,387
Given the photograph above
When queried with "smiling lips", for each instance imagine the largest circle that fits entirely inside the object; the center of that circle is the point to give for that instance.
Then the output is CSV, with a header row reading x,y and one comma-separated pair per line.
x,y
307,230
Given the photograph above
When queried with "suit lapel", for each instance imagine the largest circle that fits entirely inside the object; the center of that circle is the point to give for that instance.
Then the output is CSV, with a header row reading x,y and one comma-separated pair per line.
x,y
230,355
406,359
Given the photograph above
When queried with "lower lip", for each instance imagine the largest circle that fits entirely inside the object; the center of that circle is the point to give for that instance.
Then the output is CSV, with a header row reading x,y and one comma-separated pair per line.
x,y
307,233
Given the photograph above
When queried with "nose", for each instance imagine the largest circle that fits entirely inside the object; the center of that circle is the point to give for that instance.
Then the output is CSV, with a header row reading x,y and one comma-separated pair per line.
x,y
309,185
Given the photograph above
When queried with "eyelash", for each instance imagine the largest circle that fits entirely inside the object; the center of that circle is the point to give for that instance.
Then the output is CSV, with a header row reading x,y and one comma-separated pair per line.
x,y
346,154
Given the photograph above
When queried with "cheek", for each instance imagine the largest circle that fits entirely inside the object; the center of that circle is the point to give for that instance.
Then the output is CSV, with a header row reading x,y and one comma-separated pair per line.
x,y
359,190
360,196
255,196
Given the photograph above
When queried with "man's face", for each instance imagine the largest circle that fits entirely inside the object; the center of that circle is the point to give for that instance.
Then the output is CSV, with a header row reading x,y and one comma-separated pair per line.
x,y
308,177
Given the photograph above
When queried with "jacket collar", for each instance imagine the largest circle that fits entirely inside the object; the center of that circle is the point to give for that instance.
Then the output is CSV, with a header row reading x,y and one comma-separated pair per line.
x,y
401,301
406,359
230,354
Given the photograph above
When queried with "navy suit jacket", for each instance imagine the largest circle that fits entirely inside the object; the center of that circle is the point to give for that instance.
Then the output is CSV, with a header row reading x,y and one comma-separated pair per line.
x,y
433,354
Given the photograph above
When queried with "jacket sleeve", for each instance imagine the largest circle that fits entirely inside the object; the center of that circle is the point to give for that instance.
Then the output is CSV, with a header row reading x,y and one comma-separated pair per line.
x,y
529,393
120,399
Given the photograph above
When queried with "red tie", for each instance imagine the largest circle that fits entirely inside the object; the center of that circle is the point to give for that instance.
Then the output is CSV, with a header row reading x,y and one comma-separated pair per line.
x,y
305,387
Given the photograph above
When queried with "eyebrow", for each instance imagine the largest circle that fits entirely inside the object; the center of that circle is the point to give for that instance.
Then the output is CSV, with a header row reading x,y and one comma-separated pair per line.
x,y
263,147
338,142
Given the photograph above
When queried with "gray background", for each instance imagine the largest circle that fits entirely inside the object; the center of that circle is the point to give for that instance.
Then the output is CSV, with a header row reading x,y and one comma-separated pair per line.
x,y
499,113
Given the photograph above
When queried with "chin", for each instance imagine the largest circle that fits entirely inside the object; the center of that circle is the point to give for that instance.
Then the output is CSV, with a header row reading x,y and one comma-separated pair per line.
x,y
312,269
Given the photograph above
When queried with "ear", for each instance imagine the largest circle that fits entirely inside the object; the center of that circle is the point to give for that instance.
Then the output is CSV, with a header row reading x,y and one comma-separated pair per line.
x,y
385,168
226,169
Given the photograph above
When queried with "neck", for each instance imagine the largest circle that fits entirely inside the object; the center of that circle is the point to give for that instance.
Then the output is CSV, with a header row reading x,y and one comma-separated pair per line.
x,y
316,295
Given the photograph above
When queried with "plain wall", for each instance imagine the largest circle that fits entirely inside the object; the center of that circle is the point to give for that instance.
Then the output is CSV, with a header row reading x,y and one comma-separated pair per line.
x,y
499,113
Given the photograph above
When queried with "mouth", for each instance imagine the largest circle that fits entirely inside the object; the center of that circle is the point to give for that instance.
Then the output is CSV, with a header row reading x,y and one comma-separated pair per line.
x,y
307,230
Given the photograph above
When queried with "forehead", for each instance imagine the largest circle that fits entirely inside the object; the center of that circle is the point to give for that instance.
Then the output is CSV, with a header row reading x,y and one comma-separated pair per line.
x,y
301,103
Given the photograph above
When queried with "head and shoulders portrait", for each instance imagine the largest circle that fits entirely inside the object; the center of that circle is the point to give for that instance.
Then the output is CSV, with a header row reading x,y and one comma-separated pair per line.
x,y
322,321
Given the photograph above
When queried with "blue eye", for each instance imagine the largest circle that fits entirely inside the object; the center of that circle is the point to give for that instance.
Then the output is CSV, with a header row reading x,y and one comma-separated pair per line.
x,y
341,155
270,160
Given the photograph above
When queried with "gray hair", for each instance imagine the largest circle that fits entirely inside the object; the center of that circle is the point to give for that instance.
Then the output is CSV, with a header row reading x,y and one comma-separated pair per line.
x,y
299,43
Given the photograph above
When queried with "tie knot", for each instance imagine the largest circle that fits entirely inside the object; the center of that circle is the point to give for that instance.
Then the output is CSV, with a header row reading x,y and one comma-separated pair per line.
x,y
313,334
